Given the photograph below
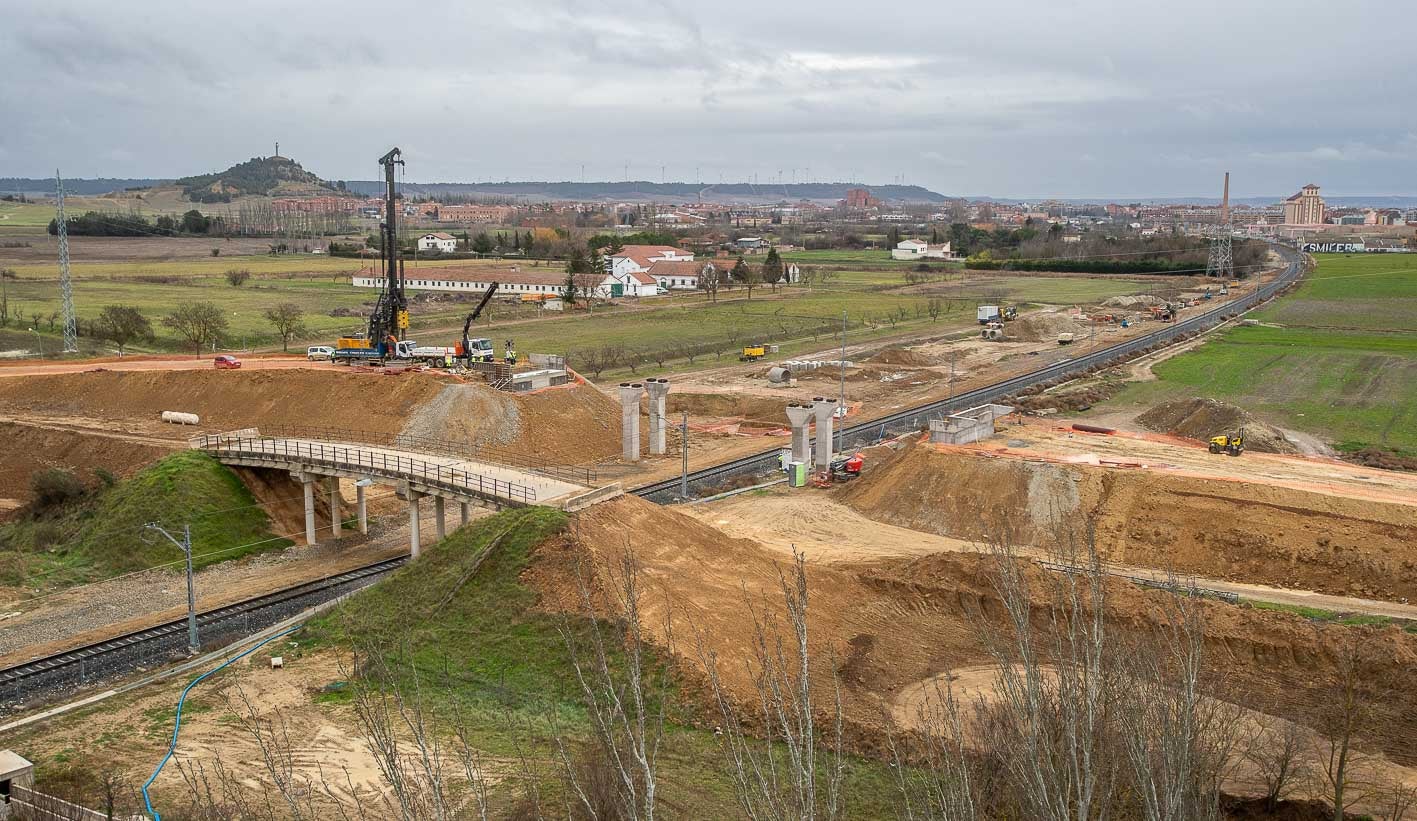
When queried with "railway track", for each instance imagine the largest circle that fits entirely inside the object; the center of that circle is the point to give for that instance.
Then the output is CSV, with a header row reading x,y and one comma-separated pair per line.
x,y
157,645
915,418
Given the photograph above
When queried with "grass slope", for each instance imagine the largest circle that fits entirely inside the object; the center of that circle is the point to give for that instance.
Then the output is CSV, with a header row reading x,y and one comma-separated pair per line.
x,y
1343,366
102,535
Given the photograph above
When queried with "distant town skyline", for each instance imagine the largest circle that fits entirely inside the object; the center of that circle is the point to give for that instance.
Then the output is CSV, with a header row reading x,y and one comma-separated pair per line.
x,y
1027,101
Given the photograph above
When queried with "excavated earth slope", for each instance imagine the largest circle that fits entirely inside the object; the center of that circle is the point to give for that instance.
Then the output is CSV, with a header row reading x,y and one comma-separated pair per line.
x,y
1240,531
895,623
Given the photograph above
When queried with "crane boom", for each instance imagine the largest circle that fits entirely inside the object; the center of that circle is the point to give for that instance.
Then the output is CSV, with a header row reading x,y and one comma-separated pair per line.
x,y
390,316
472,317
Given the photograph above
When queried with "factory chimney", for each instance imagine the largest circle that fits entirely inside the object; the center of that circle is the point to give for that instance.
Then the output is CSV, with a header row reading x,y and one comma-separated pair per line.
x,y
1225,202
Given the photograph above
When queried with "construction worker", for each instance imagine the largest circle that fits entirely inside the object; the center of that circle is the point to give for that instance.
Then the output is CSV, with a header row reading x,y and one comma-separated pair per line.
x,y
510,356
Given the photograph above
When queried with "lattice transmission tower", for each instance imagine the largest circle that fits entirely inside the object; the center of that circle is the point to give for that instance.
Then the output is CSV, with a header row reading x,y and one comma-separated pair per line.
x,y
1221,263
66,285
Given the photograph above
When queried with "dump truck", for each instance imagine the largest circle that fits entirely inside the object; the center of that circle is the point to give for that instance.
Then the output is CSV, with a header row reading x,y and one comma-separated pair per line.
x,y
1233,445
359,348
752,353
1065,339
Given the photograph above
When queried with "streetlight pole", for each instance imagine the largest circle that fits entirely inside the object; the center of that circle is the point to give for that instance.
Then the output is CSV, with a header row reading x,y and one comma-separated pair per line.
x,y
841,398
186,547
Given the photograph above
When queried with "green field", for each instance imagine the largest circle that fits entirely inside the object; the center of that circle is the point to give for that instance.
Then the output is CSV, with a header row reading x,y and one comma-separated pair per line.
x,y
872,256
24,215
1337,359
320,285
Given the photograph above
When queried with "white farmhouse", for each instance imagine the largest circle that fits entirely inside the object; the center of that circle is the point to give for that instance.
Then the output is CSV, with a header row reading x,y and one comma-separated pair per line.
x,y
915,249
638,258
442,243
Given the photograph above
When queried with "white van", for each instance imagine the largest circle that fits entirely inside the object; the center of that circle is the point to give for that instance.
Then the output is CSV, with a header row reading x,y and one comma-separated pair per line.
x,y
315,352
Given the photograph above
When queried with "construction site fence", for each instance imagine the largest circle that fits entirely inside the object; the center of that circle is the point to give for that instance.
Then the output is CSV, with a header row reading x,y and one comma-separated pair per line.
x,y
33,805
355,459
578,474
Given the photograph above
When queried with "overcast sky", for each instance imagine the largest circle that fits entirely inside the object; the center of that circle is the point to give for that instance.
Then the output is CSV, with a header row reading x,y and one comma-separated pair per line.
x,y
1022,98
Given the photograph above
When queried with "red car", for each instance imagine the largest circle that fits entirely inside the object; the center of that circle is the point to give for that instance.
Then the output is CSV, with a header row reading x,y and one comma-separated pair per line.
x,y
226,363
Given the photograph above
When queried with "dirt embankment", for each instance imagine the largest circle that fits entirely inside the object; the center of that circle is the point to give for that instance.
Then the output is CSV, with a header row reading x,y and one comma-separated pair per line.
x,y
575,423
29,448
892,624
1201,419
1042,326
1238,531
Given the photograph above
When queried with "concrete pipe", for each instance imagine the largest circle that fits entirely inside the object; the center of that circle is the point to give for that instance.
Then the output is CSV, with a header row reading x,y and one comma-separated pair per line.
x,y
779,375
180,418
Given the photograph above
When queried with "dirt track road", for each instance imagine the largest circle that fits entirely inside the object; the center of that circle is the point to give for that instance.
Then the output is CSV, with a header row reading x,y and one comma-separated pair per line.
x,y
145,363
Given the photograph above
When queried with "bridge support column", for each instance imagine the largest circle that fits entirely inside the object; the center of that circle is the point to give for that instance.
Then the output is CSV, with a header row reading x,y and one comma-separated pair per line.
x,y
362,509
800,416
336,526
462,516
440,523
630,393
658,390
825,411
308,484
413,535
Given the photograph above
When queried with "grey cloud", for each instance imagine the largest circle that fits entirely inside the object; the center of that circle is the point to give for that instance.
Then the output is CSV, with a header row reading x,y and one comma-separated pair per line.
x,y
1087,97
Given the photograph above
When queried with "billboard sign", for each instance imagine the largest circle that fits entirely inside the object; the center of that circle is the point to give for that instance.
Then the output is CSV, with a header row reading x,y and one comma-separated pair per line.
x,y
1333,247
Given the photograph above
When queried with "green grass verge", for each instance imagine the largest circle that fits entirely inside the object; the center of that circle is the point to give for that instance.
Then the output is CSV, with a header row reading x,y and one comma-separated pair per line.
x,y
1333,617
102,534
1334,377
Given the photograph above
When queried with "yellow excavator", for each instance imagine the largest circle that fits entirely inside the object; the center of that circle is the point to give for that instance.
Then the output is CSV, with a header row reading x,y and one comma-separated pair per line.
x,y
1233,445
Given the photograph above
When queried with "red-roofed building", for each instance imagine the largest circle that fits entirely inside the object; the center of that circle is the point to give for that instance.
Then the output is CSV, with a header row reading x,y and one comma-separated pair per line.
x,y
639,258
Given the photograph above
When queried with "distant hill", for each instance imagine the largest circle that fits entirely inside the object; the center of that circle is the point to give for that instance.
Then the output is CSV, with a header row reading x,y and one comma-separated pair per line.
x,y
658,191
45,185
258,175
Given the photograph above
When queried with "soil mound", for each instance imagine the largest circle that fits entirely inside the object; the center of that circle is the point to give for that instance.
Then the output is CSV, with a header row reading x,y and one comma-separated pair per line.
x,y
29,448
1203,418
1137,301
1039,327
902,356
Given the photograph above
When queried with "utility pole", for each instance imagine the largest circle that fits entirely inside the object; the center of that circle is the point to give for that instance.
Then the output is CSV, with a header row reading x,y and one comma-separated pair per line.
x,y
841,398
684,450
186,547
66,284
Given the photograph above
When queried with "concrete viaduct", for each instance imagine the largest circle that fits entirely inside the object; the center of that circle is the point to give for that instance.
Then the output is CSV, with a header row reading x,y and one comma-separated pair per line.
x,y
414,474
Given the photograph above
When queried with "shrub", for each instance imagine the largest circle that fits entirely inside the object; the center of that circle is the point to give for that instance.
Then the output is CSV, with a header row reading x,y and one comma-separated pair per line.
x,y
105,476
238,276
53,487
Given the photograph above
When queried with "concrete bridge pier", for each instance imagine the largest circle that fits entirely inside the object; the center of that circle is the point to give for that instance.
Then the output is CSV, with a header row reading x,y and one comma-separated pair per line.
x,y
462,514
440,524
336,526
658,390
630,393
308,485
825,410
414,548
362,509
800,416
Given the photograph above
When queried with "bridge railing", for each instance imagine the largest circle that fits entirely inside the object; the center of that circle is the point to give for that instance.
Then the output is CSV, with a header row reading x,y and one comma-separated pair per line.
x,y
578,474
356,459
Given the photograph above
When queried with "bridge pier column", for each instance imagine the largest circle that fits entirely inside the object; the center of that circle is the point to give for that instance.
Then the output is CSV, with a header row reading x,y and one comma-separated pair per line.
x,y
308,484
363,511
336,526
440,524
413,534
462,517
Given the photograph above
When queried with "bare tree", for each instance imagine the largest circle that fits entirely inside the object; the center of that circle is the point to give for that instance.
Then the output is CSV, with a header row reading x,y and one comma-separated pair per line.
x,y
933,771
1396,799
288,321
1279,751
199,323
236,277
776,776
626,707
709,280
934,308
122,325
1346,714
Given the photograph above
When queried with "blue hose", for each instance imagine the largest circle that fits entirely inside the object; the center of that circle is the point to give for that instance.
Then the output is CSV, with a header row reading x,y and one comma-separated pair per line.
x,y
172,747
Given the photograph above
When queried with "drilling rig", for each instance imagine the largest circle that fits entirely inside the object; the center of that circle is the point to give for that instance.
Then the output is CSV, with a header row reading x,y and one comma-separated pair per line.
x,y
388,324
